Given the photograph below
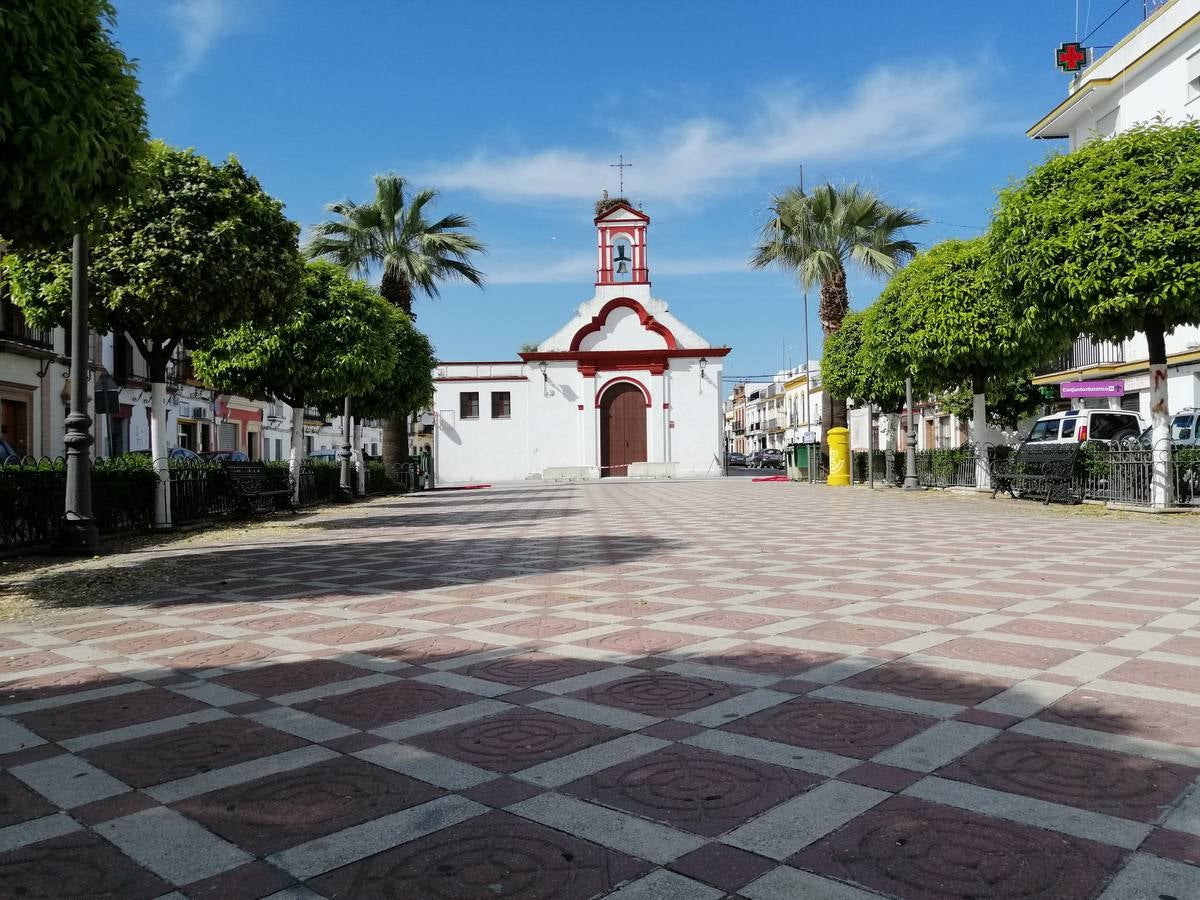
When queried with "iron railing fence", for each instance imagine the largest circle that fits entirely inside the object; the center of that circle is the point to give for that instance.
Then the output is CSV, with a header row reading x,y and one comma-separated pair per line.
x,y
200,492
1124,474
950,467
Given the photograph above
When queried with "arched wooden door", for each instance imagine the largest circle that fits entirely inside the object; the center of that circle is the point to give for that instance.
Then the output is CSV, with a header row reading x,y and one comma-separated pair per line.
x,y
622,428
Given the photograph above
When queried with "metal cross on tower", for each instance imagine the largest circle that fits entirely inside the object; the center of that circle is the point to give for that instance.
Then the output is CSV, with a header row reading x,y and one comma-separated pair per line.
x,y
620,165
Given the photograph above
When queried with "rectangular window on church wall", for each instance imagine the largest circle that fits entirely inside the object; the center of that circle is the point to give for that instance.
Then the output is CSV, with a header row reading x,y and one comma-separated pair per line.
x,y
501,405
468,405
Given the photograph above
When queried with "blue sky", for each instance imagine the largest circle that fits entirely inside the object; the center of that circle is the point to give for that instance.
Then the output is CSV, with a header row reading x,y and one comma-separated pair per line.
x,y
515,110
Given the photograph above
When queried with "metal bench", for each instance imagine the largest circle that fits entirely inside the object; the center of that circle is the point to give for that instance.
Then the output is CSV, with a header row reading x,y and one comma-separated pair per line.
x,y
256,488
1036,468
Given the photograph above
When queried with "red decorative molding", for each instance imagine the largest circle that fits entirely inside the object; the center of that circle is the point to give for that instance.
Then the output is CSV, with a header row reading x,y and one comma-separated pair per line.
x,y
625,206
587,371
607,359
648,322
486,378
581,407
619,380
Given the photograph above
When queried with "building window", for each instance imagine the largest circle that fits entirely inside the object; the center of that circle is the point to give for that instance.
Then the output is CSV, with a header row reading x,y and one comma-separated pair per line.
x,y
501,405
468,405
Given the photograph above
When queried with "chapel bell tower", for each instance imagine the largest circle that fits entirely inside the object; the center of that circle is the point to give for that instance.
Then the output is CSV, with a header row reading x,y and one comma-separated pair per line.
x,y
620,242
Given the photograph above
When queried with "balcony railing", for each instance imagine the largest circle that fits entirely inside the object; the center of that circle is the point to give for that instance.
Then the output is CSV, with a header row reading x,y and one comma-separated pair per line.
x,y
1085,352
13,327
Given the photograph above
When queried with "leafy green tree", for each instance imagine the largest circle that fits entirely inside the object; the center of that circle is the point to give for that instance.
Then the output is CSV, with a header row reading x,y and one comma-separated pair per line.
x,y
1105,240
392,233
818,236
199,249
71,120
1010,400
340,339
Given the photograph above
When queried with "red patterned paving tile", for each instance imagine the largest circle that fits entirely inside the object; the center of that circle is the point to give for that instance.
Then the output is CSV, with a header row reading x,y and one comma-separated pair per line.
x,y
633,586
1184,646
930,683
1094,612
633,608
529,669
642,641
759,580
217,657
18,803
920,615
283,621
459,615
389,605
722,866
269,814
1140,596
515,740
76,865
189,751
249,882
883,778
851,633
7,643
801,603
1006,653
542,626
285,678
843,728
1059,631
913,849
496,854
768,659
702,593
474,591
1157,674
108,713
112,808
695,790
438,648
218,612
659,693
1173,845
350,633
1171,723
544,599
387,703
860,588
978,600
158,640
27,662
112,629
1131,787
729,620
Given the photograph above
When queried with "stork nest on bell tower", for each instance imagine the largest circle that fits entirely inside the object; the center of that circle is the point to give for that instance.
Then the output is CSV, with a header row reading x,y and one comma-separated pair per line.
x,y
605,203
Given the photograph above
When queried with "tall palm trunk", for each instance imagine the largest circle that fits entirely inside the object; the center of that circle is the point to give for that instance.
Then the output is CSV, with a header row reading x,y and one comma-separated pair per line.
x,y
395,289
833,307
395,440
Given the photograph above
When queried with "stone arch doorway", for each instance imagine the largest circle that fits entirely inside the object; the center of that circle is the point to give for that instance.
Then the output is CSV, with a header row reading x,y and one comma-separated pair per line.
x,y
622,428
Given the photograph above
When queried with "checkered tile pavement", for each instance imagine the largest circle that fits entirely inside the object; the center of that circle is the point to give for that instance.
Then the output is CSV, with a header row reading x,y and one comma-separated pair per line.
x,y
641,691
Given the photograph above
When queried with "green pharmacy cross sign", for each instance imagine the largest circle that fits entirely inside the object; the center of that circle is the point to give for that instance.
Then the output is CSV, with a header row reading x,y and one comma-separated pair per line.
x,y
1071,56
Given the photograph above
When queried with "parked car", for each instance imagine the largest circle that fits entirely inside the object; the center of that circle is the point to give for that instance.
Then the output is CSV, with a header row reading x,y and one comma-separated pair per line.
x,y
733,458
772,458
1185,429
7,453
1079,425
754,460
224,456
175,454
324,456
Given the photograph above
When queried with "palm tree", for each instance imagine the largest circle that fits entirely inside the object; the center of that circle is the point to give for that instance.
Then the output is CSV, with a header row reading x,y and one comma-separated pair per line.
x,y
392,233
819,235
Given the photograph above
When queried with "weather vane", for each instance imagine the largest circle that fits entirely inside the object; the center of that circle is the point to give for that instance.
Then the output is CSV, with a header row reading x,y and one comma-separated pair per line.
x,y
620,165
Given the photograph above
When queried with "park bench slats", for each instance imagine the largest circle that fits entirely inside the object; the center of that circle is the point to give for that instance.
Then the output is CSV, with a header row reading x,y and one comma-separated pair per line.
x,y
1037,469
257,488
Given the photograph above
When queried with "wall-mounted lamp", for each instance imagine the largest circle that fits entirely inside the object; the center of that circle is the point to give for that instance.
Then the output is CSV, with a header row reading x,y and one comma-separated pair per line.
x,y
542,369
703,365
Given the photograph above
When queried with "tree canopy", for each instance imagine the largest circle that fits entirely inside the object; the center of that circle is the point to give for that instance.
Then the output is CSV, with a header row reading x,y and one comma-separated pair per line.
x,y
952,327
338,340
851,367
199,249
1105,240
408,386
392,231
71,119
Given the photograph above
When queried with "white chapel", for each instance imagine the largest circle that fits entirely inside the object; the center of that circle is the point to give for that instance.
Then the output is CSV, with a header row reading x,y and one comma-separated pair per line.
x,y
622,389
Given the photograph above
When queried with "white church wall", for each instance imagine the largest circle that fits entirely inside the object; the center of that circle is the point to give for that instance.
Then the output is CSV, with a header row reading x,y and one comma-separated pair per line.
x,y
481,448
696,440
556,426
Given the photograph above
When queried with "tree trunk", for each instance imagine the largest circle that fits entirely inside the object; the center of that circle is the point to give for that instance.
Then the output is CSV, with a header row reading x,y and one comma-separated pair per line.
x,y
1161,483
297,455
893,431
157,363
395,441
832,308
360,457
983,477
396,290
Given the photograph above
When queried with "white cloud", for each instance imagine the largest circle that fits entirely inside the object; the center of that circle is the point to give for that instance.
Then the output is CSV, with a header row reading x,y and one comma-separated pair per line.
x,y
581,269
199,23
891,114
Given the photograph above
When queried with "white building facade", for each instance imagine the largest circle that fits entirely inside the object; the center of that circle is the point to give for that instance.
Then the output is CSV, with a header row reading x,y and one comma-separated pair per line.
x,y
622,389
1154,71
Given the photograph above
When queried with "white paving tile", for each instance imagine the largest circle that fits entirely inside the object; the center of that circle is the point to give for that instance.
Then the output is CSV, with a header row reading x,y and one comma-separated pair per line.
x,y
69,781
793,825
786,883
818,762
556,772
935,747
663,885
171,846
23,833
417,763
1147,877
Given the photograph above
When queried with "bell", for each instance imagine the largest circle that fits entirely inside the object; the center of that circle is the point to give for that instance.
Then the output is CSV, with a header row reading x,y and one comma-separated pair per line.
x,y
622,267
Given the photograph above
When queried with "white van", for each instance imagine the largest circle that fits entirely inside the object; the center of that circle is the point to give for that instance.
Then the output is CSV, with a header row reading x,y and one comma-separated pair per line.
x,y
1079,425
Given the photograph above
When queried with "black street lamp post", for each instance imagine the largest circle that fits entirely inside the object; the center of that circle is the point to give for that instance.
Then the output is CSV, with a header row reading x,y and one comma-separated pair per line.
x,y
78,532
911,483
